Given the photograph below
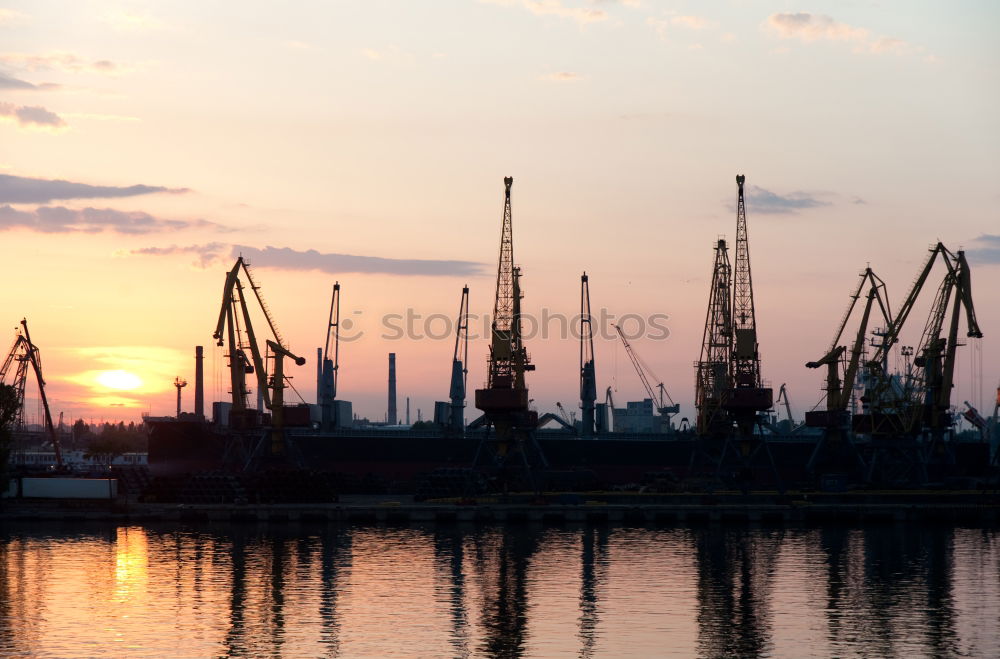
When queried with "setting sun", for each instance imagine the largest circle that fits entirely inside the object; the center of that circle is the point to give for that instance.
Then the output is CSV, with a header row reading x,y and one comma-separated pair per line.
x,y
119,380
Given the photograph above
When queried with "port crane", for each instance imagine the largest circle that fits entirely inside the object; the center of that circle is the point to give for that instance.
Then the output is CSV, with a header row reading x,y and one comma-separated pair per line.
x,y
459,367
235,329
730,393
504,400
712,378
897,410
609,417
658,393
842,369
331,364
588,375
921,402
747,396
783,398
22,355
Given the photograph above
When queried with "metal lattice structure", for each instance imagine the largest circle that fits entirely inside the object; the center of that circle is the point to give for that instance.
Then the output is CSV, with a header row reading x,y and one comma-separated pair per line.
x,y
505,348
24,355
746,359
712,378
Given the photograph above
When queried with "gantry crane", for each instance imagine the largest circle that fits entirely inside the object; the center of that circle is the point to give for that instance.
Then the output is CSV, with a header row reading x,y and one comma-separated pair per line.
x,y
609,416
22,355
898,410
657,394
922,400
712,379
331,364
746,396
241,338
588,375
730,393
783,398
459,367
835,419
504,400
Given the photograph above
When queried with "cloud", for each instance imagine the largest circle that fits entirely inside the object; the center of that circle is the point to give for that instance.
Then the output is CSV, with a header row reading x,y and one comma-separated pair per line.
x,y
9,82
562,76
24,190
206,254
581,15
985,250
816,27
31,116
813,27
59,61
284,258
766,202
59,219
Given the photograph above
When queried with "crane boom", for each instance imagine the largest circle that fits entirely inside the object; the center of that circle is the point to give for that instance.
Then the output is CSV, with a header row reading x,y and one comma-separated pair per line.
x,y
641,368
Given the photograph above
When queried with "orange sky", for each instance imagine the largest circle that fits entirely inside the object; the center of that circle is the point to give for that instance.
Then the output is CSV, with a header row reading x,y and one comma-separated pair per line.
x,y
385,131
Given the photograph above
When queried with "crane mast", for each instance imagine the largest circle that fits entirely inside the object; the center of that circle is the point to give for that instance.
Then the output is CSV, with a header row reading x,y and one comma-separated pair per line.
x,y
746,359
504,401
234,310
712,374
331,363
459,366
25,353
588,376
747,395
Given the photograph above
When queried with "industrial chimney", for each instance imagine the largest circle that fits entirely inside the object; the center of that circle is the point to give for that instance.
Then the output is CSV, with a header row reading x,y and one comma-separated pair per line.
x,y
199,383
391,417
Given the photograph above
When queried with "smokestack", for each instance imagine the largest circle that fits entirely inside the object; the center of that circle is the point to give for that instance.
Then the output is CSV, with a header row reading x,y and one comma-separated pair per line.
x,y
199,382
319,376
391,417
407,410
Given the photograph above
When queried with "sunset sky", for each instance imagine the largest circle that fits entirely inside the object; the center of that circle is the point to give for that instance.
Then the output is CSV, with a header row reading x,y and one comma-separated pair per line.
x,y
143,146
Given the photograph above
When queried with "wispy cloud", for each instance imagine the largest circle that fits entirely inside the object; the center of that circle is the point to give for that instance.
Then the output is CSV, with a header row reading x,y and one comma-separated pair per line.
x,y
31,116
60,61
206,254
11,83
985,250
581,15
284,258
562,76
59,219
766,202
24,190
809,28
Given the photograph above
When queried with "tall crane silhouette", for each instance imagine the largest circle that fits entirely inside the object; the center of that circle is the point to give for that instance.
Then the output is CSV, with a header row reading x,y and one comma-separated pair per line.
x,y
504,400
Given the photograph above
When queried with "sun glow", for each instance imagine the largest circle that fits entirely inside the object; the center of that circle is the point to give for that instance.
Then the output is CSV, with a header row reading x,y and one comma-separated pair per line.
x,y
122,380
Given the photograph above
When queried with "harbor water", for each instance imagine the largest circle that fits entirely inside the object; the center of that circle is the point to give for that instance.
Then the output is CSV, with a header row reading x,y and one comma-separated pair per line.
x,y
300,590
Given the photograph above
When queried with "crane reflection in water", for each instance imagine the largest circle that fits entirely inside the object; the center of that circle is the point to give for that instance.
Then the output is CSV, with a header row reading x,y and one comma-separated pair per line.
x,y
514,591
